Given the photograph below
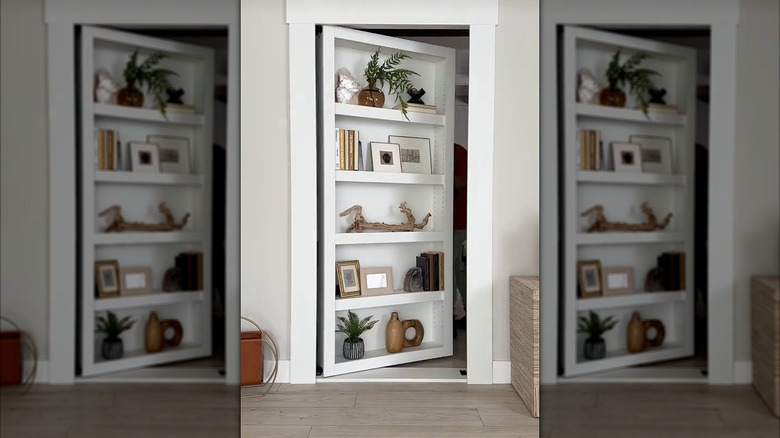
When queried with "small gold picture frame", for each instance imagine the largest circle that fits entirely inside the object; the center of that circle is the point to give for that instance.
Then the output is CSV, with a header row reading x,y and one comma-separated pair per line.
x,y
348,276
589,278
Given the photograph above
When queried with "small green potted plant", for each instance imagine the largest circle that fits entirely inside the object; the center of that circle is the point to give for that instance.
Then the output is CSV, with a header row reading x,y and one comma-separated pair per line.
x,y
618,75
594,327
111,326
137,75
388,71
353,327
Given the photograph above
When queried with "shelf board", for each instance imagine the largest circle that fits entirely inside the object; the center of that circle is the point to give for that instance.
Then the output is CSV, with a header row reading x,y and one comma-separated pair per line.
x,y
612,238
134,238
398,297
128,177
156,298
388,237
622,358
388,178
630,115
610,177
628,300
140,358
147,115
367,112
381,358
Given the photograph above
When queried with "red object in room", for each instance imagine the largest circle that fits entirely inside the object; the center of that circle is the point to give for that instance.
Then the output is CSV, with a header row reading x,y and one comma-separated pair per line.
x,y
251,358
10,358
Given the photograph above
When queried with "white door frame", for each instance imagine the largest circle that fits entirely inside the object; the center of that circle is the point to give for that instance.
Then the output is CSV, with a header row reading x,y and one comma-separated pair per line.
x,y
481,17
721,17
61,18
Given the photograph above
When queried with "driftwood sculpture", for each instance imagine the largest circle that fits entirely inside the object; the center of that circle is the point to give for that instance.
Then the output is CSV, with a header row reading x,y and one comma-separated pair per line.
x,y
601,223
360,224
118,222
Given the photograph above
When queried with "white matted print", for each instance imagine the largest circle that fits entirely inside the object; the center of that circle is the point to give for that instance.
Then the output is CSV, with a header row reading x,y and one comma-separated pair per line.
x,y
376,281
144,157
415,153
174,152
135,281
656,153
386,157
627,157
618,280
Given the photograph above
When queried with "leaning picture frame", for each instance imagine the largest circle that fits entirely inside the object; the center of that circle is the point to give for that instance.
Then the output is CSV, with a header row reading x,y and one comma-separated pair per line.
x,y
135,280
144,157
107,278
618,280
589,278
627,157
656,153
348,277
376,281
386,157
174,152
415,153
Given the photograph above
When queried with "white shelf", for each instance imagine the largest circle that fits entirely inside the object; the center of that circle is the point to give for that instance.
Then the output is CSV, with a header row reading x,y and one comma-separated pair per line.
x,y
127,177
147,114
388,237
398,297
133,238
610,177
388,178
622,358
381,358
640,298
613,237
153,299
140,358
388,114
630,115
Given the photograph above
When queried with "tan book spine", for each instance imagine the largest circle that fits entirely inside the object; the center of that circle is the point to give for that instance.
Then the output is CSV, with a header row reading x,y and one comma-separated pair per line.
x,y
351,149
342,150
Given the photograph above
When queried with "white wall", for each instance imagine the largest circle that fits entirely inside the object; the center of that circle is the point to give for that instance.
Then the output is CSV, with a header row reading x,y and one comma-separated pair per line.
x,y
24,236
757,166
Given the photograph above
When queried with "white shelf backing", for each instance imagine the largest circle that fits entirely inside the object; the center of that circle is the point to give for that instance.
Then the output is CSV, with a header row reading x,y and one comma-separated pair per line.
x,y
631,115
138,238
609,177
147,115
636,299
153,299
389,178
388,237
388,114
396,298
614,238
381,358
127,177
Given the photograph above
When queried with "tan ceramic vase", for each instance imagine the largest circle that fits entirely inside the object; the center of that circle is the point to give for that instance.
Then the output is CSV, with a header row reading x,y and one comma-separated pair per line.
x,y
636,334
418,333
394,335
153,335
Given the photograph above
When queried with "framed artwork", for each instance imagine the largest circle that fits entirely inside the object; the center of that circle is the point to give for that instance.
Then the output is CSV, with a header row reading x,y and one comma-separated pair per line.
x,y
144,157
135,281
107,278
618,280
589,278
386,157
627,157
415,153
376,281
174,152
348,276
656,153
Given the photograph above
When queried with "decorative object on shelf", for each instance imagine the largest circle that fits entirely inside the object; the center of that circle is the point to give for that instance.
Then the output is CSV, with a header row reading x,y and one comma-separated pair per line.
x,y
636,337
415,95
594,327
653,280
415,153
627,157
348,276
618,280
176,332
156,80
118,222
385,157
656,152
671,268
359,224
353,327
111,326
174,152
346,86
394,334
107,278
171,280
135,280
144,157
638,79
589,278
174,95
105,87
588,86
656,95
419,332
388,71
153,334
413,280
376,281
600,223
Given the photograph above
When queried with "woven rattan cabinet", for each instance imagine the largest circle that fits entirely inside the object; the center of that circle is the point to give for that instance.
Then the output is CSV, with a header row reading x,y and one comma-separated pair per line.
x,y
765,339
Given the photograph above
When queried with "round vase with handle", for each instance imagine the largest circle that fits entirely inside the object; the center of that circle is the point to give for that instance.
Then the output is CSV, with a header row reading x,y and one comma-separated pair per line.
x,y
394,335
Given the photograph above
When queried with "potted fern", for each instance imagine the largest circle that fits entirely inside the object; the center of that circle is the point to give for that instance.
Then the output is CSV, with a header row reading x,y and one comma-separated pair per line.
x,y
594,327
353,327
618,75
388,71
111,326
139,74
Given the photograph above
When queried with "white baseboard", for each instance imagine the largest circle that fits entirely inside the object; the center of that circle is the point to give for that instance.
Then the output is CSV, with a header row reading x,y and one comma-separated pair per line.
x,y
502,371
41,373
282,373
743,372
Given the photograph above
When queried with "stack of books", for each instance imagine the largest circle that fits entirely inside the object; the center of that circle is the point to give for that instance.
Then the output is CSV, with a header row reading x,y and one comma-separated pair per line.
x,y
672,267
189,264
432,265
418,108
662,107
590,155
180,107
108,151
349,153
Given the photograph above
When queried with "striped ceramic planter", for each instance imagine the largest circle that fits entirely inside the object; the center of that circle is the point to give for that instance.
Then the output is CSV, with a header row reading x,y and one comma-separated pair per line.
x,y
355,350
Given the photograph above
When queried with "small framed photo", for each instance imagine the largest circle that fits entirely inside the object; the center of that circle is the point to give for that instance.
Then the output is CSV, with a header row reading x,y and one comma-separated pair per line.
x,y
107,278
415,153
348,276
174,152
618,280
656,153
627,157
589,278
386,157
144,157
376,281
135,281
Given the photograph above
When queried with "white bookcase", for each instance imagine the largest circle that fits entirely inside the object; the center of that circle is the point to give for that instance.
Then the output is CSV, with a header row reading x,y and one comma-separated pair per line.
x,y
380,194
621,195
138,195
